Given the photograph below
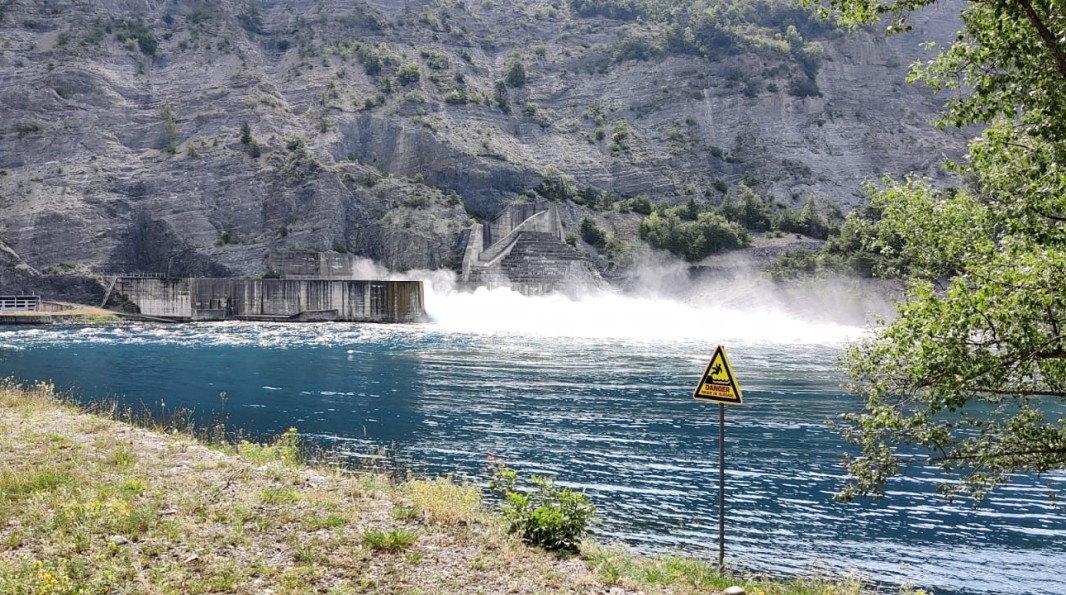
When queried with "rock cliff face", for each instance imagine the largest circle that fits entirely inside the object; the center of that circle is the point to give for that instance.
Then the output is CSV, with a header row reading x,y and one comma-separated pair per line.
x,y
197,137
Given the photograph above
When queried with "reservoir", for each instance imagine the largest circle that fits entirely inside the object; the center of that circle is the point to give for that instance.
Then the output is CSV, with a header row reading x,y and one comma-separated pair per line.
x,y
598,392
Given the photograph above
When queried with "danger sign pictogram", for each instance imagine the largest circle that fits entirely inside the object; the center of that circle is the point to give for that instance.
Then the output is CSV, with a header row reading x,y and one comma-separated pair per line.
x,y
718,383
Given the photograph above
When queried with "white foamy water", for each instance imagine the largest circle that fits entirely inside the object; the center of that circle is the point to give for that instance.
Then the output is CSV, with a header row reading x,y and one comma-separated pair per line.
x,y
612,315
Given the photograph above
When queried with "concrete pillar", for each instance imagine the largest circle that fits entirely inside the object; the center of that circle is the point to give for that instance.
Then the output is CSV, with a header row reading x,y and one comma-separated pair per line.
x,y
475,245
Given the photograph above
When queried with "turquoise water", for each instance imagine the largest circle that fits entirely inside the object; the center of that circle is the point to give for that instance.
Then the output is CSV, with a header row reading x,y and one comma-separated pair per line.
x,y
599,393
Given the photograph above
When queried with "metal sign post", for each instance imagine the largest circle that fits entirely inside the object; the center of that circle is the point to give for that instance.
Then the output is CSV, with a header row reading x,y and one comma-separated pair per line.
x,y
721,487
719,385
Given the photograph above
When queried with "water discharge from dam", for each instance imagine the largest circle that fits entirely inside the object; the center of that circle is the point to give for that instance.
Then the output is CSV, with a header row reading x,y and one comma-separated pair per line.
x,y
596,390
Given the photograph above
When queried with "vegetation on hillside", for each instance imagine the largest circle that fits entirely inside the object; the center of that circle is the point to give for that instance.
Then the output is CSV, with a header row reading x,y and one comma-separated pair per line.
x,y
694,229
715,30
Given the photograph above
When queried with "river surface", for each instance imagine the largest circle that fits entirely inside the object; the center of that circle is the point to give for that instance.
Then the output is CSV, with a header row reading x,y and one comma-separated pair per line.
x,y
597,392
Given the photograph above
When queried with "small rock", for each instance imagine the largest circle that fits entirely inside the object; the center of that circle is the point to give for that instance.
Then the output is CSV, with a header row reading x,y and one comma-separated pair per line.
x,y
117,540
734,590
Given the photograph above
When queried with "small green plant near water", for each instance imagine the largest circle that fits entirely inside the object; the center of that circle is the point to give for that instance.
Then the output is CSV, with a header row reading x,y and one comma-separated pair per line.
x,y
393,540
285,450
545,516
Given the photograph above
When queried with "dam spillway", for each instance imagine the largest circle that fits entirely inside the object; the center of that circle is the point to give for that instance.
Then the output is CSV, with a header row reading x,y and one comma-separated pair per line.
x,y
304,300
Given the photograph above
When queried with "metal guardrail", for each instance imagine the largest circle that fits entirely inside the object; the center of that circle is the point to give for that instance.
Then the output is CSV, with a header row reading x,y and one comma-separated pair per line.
x,y
138,275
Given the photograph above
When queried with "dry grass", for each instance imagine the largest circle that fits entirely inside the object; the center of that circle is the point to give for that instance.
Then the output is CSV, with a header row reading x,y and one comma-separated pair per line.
x,y
81,314
91,505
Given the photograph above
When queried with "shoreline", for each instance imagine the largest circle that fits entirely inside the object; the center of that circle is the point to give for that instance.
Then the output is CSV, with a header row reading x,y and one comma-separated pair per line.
x,y
88,499
76,314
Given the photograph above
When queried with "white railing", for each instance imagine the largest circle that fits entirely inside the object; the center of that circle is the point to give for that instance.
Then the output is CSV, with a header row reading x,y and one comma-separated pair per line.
x,y
20,303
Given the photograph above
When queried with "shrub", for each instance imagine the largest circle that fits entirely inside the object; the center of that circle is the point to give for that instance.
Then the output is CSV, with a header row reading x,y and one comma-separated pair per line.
x,y
135,34
708,234
501,98
593,234
296,144
408,73
636,46
804,87
617,251
547,517
557,185
640,203
515,72
807,221
456,97
370,59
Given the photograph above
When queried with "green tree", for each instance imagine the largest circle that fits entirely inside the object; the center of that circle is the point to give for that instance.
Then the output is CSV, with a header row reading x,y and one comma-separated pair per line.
x,y
753,213
557,185
501,98
971,375
515,72
708,234
807,221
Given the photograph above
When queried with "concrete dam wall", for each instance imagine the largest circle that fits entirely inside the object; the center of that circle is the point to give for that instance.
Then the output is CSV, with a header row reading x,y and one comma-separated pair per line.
x,y
198,299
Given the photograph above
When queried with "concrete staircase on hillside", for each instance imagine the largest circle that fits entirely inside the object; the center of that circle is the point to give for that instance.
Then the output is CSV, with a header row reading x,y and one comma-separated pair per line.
x,y
524,250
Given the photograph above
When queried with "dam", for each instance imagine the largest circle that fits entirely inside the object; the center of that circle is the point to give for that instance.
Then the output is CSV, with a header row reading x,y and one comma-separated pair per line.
x,y
194,299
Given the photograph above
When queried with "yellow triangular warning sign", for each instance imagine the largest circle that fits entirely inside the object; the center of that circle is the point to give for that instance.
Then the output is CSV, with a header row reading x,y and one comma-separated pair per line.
x,y
718,383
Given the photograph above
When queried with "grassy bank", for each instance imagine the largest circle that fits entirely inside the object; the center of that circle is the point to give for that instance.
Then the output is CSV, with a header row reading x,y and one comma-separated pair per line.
x,y
93,505
79,315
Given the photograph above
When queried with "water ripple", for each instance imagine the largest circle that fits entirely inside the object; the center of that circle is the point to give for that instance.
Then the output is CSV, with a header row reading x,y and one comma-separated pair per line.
x,y
610,414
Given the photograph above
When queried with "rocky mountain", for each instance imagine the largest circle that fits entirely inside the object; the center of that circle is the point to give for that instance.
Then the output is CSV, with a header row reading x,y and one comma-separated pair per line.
x,y
195,137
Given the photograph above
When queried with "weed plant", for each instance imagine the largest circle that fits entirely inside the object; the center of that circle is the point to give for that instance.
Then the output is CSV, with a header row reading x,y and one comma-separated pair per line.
x,y
544,516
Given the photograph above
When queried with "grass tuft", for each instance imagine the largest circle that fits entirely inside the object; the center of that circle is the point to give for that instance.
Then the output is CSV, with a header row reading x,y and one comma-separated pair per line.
x,y
393,540
444,501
